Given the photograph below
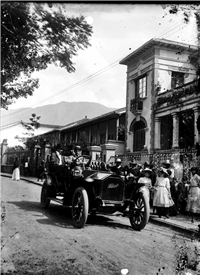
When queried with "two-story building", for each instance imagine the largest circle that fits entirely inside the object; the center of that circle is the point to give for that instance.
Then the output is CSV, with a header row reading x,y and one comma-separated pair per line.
x,y
163,98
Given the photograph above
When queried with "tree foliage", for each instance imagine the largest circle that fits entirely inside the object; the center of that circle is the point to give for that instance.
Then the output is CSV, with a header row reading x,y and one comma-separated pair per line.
x,y
186,10
29,140
33,35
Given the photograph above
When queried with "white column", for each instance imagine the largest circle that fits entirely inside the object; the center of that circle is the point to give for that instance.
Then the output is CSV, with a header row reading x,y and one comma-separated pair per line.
x,y
196,133
175,143
157,133
117,125
106,132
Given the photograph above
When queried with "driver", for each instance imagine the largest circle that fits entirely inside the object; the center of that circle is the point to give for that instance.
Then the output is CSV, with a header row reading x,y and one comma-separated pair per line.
x,y
74,154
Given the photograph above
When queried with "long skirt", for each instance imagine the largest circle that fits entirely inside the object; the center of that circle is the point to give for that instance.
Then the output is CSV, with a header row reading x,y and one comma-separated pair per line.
x,y
161,197
193,200
16,174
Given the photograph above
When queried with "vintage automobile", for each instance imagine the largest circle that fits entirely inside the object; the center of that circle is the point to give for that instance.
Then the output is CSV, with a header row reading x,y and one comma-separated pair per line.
x,y
88,191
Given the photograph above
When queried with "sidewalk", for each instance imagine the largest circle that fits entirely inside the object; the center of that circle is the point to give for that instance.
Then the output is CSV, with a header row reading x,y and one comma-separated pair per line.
x,y
181,223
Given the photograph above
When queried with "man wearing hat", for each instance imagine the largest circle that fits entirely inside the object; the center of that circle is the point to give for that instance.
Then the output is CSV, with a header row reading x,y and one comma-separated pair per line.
x,y
56,157
117,168
167,165
74,153
57,164
135,169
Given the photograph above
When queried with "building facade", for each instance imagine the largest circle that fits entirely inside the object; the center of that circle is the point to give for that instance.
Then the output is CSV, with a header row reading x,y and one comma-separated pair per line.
x,y
163,97
161,113
10,131
103,135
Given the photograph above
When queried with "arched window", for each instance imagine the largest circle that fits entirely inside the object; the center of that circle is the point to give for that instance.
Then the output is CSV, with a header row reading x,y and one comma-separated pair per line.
x,y
139,135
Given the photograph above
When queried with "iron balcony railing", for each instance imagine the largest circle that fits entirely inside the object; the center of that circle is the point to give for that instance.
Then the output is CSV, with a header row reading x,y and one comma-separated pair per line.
x,y
136,105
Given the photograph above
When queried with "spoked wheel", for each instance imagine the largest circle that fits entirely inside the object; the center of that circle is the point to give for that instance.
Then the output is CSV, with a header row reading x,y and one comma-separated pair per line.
x,y
139,212
45,201
80,207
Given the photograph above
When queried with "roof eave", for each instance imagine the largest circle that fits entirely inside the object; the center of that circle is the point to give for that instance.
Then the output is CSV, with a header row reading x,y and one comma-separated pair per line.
x,y
156,42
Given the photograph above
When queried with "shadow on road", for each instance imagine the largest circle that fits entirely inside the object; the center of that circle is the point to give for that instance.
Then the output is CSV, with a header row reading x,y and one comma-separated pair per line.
x,y
103,220
59,215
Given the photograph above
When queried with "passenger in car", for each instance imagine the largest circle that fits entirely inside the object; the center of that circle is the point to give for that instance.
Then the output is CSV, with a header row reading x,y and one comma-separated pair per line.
x,y
56,165
117,168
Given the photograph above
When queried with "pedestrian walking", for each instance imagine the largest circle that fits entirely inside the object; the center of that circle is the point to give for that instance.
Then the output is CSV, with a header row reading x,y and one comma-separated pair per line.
x,y
41,171
162,195
26,168
193,200
16,170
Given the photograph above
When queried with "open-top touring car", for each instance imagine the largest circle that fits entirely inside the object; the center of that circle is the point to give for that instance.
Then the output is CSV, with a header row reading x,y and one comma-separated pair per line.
x,y
88,191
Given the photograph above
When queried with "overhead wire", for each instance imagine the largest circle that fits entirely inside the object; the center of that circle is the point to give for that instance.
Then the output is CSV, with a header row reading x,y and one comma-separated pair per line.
x,y
110,66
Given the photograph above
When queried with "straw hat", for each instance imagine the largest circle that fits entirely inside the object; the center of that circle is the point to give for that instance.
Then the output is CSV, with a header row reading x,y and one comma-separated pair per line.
x,y
118,160
164,171
147,170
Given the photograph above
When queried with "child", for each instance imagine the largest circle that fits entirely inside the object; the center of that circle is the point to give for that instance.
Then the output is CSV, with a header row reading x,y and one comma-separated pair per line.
x,y
162,193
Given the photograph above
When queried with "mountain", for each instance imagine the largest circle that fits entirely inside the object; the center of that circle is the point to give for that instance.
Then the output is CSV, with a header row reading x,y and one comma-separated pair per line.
x,y
61,113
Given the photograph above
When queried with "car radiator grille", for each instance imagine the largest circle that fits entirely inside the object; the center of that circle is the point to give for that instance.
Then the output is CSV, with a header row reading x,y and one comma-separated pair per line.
x,y
113,189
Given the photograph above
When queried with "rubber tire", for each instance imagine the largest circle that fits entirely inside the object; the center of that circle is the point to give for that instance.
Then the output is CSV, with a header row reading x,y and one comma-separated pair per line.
x,y
43,197
141,199
81,219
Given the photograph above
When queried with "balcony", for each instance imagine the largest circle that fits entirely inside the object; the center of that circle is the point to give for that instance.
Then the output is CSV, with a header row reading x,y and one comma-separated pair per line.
x,y
178,95
136,106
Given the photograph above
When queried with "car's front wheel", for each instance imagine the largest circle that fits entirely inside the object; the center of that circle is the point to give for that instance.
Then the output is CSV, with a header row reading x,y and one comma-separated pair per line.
x,y
80,207
139,211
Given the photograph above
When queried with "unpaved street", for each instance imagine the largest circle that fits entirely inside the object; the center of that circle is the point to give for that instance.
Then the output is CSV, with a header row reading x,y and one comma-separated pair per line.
x,y
38,241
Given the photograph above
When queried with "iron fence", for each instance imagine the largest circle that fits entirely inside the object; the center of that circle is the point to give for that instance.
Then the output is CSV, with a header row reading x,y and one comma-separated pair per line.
x,y
182,160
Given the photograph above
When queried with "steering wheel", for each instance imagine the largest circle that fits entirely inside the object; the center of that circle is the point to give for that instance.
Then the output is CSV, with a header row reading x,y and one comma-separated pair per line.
x,y
82,160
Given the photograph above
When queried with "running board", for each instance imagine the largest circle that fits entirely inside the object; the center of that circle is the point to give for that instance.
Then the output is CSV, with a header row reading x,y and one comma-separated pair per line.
x,y
56,199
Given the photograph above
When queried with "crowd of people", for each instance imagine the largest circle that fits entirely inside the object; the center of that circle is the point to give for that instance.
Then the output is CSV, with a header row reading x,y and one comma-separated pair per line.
x,y
168,195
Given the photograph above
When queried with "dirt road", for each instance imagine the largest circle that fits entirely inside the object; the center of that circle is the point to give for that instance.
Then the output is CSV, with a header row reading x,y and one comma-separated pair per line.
x,y
38,241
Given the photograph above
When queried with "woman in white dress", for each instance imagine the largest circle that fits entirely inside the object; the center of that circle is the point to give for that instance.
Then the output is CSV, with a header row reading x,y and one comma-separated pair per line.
x,y
193,201
146,179
16,171
162,193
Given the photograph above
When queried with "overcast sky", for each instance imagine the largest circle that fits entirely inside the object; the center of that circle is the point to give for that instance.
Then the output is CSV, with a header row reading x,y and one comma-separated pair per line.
x,y
118,30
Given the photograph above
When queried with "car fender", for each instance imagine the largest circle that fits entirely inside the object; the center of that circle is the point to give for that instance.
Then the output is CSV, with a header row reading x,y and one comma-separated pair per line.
x,y
144,190
49,180
86,184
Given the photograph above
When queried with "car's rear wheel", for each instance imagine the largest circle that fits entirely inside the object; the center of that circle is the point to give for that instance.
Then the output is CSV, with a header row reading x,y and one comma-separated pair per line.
x,y
139,212
80,207
45,201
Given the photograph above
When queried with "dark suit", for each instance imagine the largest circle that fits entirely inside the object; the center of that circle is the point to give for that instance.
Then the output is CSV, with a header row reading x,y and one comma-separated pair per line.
x,y
118,170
